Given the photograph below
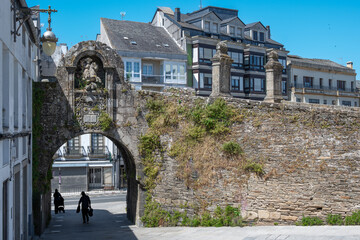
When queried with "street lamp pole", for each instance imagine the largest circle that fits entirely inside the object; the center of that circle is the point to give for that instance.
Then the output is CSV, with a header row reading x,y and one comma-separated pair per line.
x,y
22,14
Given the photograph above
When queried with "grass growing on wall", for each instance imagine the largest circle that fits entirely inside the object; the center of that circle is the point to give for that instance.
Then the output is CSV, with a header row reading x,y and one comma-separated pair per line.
x,y
201,134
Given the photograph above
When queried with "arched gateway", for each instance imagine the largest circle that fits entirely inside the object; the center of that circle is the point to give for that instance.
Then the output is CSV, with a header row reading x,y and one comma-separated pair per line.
x,y
90,96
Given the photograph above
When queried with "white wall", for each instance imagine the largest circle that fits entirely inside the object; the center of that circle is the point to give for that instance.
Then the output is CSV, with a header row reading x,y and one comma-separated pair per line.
x,y
15,150
330,95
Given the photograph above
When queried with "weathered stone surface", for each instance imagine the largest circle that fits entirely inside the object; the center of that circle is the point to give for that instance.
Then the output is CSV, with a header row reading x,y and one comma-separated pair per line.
x,y
263,214
310,154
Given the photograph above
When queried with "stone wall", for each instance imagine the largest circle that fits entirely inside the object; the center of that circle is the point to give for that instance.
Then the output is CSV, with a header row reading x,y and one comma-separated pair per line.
x,y
310,156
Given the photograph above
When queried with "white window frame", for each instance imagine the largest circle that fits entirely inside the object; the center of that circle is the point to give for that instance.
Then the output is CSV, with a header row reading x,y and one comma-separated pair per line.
x,y
175,78
147,65
132,73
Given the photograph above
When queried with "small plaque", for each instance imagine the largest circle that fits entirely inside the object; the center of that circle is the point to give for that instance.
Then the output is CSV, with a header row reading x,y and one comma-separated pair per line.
x,y
90,118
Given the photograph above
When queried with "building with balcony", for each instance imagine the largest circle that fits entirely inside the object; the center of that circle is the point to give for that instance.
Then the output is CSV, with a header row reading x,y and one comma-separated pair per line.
x,y
198,32
87,162
19,52
152,59
322,81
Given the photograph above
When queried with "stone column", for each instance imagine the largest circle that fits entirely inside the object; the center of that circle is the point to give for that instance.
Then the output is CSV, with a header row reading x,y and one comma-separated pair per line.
x,y
221,66
273,78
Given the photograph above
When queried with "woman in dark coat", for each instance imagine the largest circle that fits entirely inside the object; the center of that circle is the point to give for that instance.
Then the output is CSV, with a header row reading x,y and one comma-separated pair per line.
x,y
57,200
85,205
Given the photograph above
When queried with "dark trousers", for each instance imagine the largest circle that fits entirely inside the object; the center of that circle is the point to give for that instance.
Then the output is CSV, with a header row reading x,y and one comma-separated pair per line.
x,y
85,213
56,208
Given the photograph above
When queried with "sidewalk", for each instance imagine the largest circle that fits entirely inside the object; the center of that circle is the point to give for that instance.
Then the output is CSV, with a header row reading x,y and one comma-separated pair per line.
x,y
95,192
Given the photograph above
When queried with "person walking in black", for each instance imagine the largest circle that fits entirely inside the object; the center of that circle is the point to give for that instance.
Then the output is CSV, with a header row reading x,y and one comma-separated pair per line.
x,y
58,199
85,205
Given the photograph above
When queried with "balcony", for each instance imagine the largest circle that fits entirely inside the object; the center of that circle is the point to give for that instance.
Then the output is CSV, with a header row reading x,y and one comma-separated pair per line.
x,y
152,79
99,152
318,88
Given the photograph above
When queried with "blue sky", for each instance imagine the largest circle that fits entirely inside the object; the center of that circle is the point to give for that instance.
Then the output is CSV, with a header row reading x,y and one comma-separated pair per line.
x,y
327,29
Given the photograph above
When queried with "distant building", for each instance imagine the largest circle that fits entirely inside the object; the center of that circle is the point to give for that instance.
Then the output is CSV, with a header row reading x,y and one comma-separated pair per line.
x,y
322,81
198,32
87,162
19,56
152,59
49,64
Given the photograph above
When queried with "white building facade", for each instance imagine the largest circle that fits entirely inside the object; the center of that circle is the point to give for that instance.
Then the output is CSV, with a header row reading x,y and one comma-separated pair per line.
x,y
88,162
18,69
320,81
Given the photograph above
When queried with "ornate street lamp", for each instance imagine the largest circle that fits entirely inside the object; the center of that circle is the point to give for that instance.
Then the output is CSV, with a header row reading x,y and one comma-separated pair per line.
x,y
22,14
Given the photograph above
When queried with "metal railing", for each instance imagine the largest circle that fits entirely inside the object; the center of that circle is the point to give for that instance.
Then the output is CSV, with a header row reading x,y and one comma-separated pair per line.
x,y
319,87
152,79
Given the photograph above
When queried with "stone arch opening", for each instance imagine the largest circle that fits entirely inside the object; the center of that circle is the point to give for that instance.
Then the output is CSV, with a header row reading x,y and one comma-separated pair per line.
x,y
75,152
64,112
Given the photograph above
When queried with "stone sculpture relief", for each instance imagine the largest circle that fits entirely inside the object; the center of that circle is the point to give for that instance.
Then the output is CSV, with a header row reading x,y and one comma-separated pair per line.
x,y
88,75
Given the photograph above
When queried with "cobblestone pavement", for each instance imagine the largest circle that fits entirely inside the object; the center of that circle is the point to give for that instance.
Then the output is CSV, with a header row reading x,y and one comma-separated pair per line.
x,y
110,222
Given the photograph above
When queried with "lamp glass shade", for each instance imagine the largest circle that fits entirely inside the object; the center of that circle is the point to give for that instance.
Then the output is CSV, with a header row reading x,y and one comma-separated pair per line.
x,y
49,47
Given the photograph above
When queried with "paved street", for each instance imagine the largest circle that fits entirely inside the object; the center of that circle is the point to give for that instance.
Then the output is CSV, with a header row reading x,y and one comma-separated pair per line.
x,y
110,222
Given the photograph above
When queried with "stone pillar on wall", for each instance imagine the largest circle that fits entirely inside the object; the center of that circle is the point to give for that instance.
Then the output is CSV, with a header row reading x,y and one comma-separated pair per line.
x,y
221,66
273,78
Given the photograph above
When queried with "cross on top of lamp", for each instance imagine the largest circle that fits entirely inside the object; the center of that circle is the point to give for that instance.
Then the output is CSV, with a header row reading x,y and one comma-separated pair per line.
x,y
22,14
49,39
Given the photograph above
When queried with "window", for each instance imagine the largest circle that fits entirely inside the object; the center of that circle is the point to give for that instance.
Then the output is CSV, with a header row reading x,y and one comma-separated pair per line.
x,y
330,83
325,101
256,62
214,28
147,69
295,80
314,101
237,57
262,37
236,83
258,84
352,86
207,26
308,82
205,80
6,87
333,102
175,73
341,85
205,54
255,35
132,70
283,63
346,103
6,152
298,100
232,31
238,32
16,94
355,104
321,82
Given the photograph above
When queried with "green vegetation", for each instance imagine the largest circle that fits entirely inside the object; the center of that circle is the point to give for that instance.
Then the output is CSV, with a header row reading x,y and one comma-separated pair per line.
x,y
354,219
310,221
255,168
155,216
105,121
334,220
232,148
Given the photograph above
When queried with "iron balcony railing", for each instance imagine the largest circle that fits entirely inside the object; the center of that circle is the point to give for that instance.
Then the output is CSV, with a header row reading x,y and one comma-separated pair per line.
x,y
152,79
319,87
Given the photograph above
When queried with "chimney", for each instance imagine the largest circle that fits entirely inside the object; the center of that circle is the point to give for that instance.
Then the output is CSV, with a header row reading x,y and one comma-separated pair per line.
x,y
177,14
268,30
349,65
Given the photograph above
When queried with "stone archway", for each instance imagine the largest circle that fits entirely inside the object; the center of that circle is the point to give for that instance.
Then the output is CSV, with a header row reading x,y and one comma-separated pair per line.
x,y
90,96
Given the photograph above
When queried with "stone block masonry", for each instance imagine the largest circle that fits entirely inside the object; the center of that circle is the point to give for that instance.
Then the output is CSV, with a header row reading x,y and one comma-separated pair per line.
x,y
296,159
